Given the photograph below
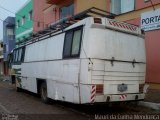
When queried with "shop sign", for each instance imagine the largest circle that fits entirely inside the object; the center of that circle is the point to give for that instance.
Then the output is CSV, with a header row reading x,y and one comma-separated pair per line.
x,y
150,20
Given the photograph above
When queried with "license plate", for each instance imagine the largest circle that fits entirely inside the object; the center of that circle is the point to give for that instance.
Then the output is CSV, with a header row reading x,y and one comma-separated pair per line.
x,y
122,87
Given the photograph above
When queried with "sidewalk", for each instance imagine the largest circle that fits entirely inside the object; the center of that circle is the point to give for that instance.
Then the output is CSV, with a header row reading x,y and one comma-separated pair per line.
x,y
153,95
152,99
5,78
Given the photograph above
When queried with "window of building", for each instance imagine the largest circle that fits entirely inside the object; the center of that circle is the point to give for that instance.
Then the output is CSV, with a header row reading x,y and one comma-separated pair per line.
x,y
7,48
18,23
122,6
47,25
4,48
66,11
38,24
72,43
30,15
10,33
23,20
1,45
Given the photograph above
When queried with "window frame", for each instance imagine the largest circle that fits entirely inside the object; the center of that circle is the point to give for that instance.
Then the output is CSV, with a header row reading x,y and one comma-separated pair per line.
x,y
23,20
8,31
18,23
4,48
30,15
66,7
120,12
73,31
38,24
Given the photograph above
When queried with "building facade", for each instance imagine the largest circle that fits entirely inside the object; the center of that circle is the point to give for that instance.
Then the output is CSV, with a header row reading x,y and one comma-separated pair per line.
x,y
8,40
146,14
24,22
47,12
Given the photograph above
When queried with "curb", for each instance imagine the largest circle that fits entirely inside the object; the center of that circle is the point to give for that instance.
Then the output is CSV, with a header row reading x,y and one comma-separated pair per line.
x,y
155,106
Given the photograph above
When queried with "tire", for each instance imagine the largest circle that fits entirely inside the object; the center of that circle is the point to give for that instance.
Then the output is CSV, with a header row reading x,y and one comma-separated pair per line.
x,y
43,93
18,89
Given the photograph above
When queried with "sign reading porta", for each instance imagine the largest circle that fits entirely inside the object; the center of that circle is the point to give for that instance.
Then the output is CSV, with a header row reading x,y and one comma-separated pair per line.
x,y
150,20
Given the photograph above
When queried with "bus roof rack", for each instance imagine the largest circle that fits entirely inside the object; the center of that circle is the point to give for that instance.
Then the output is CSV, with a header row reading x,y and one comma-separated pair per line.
x,y
92,12
67,21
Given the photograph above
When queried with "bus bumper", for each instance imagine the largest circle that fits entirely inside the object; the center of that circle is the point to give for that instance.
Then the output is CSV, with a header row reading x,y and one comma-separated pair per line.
x,y
120,97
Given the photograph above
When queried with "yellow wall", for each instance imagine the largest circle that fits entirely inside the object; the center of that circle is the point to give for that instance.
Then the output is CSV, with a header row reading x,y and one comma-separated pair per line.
x,y
82,5
154,86
134,14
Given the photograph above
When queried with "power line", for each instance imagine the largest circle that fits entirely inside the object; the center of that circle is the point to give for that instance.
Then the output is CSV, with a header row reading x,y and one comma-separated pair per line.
x,y
22,16
18,14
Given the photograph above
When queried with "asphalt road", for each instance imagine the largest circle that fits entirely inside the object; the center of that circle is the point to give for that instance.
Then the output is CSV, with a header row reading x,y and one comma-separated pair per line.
x,y
26,106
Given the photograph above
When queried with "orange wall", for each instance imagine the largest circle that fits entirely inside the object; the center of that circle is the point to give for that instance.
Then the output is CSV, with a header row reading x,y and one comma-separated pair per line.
x,y
141,4
86,4
108,5
153,56
46,13
51,15
38,6
134,21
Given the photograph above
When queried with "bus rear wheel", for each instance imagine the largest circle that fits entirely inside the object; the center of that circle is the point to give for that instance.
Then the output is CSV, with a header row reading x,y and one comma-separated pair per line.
x,y
43,93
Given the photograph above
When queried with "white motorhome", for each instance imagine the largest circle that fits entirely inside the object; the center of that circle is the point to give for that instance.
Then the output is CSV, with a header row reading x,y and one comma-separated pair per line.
x,y
92,61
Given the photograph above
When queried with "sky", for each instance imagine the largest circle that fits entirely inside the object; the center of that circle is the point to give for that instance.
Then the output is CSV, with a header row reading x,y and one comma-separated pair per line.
x,y
11,5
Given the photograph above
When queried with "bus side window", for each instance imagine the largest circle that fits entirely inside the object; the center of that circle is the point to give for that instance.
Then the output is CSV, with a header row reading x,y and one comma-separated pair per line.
x,y
76,42
17,52
19,55
72,43
10,60
67,44
23,54
14,56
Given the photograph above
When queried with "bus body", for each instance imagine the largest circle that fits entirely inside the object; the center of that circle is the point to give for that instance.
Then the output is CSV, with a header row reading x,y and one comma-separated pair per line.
x,y
92,61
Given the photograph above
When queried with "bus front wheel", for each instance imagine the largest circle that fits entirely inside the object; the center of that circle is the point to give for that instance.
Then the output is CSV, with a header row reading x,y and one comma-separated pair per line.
x,y
18,89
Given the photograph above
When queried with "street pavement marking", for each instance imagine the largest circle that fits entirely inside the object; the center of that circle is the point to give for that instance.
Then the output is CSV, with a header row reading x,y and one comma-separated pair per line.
x,y
4,108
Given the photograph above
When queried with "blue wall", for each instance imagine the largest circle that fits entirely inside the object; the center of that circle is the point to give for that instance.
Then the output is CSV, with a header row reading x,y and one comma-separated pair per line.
x,y
8,41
